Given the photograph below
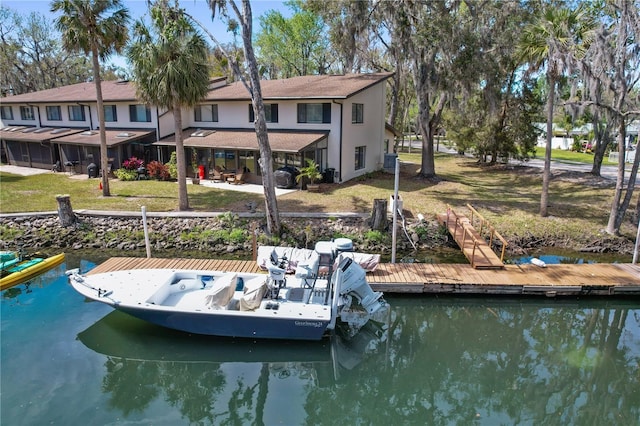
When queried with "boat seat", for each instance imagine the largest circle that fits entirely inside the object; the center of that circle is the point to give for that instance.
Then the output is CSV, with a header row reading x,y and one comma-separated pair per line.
x,y
254,291
222,290
308,271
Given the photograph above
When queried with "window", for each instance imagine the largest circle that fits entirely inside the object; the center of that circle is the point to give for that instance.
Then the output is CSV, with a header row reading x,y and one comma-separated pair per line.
x,y
139,114
110,113
53,113
360,157
225,159
314,113
7,112
246,161
357,113
76,113
206,112
270,113
26,113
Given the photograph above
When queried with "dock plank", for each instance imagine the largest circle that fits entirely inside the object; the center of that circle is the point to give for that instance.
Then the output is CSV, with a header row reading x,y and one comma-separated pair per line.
x,y
579,279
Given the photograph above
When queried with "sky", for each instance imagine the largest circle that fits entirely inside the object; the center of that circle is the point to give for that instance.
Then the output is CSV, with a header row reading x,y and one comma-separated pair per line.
x,y
138,8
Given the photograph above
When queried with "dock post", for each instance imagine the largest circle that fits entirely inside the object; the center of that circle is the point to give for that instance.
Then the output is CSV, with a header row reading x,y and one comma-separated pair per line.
x,y
635,250
146,231
65,212
394,232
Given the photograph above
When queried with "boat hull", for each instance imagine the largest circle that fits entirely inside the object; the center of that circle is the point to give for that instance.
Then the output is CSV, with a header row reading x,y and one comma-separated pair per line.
x,y
302,306
227,324
29,272
176,299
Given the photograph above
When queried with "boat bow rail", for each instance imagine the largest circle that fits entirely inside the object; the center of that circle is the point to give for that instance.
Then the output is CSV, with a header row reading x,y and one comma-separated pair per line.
x,y
75,276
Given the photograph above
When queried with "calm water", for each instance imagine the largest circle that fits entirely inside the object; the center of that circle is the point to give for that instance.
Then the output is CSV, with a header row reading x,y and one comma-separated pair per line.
x,y
444,361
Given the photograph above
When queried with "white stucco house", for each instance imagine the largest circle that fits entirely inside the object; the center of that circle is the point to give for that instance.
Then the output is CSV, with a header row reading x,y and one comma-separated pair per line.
x,y
336,120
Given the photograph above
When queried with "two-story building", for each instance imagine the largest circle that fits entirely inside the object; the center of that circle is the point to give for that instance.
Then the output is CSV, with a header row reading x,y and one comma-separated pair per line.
x,y
336,120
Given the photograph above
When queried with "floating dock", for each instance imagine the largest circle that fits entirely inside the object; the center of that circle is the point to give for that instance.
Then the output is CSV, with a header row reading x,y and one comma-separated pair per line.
x,y
617,279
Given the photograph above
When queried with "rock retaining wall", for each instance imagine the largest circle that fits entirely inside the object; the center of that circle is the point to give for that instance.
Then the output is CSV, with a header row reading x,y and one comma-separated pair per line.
x,y
223,234
231,234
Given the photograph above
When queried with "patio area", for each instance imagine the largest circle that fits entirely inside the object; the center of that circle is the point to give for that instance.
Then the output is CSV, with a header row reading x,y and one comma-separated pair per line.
x,y
245,187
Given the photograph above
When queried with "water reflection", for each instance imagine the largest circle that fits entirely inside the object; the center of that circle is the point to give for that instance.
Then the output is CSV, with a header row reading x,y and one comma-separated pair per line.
x,y
532,362
446,361
214,380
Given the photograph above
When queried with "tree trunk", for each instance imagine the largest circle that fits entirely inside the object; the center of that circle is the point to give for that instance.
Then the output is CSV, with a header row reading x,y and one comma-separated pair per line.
x,y
395,97
420,76
379,220
183,198
601,132
65,212
619,204
546,173
104,157
266,163
617,195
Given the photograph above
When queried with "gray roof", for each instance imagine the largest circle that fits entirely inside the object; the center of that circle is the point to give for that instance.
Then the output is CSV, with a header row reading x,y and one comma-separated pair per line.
x,y
306,87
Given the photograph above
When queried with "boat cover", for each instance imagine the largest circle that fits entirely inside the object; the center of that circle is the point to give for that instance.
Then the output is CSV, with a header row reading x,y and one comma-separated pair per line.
x,y
222,291
254,291
295,256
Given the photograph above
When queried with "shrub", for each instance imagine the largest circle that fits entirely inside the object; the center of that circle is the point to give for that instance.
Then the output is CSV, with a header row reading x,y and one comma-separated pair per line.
x,y
237,236
126,174
132,163
228,219
159,171
172,166
422,231
374,236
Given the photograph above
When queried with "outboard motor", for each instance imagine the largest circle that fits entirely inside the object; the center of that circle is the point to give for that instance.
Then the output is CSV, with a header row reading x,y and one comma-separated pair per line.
x,y
353,283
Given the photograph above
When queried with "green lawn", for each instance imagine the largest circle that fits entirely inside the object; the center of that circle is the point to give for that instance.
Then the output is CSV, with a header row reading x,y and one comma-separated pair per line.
x,y
37,193
507,196
562,155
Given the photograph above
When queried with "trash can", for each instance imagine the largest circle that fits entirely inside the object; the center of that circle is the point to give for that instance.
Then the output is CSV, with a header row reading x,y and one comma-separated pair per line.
x,y
92,170
328,175
201,172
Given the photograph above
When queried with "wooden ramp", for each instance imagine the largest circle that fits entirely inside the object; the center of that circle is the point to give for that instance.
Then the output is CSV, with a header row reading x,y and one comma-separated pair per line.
x,y
425,278
473,245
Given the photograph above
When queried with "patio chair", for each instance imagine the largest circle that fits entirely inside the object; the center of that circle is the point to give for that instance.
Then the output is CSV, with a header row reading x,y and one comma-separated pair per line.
x,y
236,179
215,175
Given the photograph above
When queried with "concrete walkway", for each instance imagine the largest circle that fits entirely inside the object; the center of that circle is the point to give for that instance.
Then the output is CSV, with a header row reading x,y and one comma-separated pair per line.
x,y
22,171
247,187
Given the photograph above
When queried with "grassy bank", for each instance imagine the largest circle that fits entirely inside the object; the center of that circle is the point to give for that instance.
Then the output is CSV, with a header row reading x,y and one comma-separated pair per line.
x,y
508,196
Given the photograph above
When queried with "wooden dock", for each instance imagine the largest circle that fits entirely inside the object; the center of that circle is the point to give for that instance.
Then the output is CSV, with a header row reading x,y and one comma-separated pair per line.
x,y
479,253
554,280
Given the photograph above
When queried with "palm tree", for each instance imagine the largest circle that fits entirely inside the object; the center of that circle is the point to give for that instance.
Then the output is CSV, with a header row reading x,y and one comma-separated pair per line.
x,y
171,70
553,41
99,28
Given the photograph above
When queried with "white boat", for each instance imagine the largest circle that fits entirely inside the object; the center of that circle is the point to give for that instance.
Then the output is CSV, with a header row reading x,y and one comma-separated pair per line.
x,y
307,305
